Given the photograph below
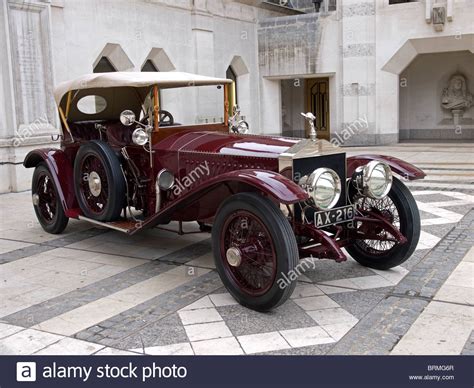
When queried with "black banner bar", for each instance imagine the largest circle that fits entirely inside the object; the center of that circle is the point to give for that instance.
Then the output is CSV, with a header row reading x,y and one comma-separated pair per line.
x,y
250,371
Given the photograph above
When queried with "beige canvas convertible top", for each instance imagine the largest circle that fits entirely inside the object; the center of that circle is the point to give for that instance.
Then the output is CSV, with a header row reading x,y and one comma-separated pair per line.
x,y
171,79
121,90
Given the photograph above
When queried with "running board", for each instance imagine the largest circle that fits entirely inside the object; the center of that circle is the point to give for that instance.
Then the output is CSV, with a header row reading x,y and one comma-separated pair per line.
x,y
124,226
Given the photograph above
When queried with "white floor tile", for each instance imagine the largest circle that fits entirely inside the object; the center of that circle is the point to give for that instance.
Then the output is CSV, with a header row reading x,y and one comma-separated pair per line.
x,y
70,346
369,282
181,349
331,316
7,330
191,317
328,290
27,342
393,275
469,256
304,290
224,299
206,331
199,304
315,303
9,245
338,330
450,310
341,283
263,342
455,294
219,346
427,241
115,352
462,276
306,336
435,335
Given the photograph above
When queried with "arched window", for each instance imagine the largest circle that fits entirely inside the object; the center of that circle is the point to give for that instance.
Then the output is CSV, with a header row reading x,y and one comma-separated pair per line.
x,y
104,66
149,66
230,74
112,58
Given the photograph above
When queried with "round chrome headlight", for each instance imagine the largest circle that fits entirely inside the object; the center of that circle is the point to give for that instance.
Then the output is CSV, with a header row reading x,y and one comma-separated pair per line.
x,y
165,179
323,186
140,137
377,178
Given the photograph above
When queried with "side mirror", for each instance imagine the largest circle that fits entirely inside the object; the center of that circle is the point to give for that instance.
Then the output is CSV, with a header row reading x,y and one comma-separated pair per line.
x,y
127,118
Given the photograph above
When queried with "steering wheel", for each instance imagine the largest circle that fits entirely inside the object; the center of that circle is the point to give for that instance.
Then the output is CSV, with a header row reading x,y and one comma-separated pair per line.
x,y
166,118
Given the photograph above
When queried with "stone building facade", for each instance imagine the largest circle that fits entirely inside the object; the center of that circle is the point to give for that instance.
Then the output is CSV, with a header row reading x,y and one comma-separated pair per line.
x,y
374,72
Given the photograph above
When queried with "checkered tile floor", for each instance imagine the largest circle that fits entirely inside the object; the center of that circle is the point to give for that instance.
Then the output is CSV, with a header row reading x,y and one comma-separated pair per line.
x,y
93,291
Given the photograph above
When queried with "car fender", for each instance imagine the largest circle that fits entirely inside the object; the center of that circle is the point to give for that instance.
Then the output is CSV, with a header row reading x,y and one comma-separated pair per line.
x,y
402,168
271,183
62,172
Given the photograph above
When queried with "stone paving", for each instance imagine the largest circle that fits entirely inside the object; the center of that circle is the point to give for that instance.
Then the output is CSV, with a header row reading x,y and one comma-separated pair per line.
x,y
93,291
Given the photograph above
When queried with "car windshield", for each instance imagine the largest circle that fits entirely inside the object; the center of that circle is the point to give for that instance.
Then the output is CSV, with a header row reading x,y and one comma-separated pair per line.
x,y
187,106
178,106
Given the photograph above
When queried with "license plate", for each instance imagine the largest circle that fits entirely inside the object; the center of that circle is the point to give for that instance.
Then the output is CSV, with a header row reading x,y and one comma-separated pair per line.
x,y
334,216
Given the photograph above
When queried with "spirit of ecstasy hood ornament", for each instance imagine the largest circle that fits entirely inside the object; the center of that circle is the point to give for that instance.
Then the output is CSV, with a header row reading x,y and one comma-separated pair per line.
x,y
312,130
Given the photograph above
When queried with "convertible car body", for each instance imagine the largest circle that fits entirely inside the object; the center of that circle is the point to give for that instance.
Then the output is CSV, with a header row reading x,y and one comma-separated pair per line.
x,y
123,163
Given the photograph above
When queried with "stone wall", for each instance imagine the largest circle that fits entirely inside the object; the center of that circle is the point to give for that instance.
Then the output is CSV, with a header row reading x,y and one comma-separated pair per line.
x,y
288,45
44,42
421,87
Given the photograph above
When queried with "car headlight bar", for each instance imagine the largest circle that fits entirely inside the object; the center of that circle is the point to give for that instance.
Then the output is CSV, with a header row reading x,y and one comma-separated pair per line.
x,y
323,186
373,180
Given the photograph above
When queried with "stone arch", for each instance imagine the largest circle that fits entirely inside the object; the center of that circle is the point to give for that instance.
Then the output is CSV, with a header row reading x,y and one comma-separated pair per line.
x,y
413,47
160,60
238,66
114,55
242,74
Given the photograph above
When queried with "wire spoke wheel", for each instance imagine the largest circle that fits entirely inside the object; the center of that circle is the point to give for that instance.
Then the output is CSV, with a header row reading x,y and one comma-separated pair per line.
x,y
381,250
255,251
46,201
387,208
46,197
253,264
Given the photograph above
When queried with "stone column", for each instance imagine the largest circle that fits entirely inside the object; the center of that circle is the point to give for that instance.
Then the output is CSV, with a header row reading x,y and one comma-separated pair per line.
x,y
209,102
358,73
28,115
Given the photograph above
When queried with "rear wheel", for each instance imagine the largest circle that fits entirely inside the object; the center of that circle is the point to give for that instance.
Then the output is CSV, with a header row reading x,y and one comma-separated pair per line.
x,y
399,207
99,183
46,201
255,251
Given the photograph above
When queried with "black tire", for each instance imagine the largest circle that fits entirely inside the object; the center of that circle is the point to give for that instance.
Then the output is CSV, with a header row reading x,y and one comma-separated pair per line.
x,y
52,218
410,227
112,182
284,244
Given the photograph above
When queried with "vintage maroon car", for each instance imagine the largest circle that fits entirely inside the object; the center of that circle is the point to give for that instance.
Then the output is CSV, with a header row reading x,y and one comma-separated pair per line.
x,y
126,165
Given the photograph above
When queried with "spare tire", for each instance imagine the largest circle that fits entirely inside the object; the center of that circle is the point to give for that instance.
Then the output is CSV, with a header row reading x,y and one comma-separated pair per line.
x,y
99,183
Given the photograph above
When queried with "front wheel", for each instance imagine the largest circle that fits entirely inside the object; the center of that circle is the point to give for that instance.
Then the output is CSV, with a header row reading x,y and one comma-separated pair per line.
x,y
255,251
399,207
